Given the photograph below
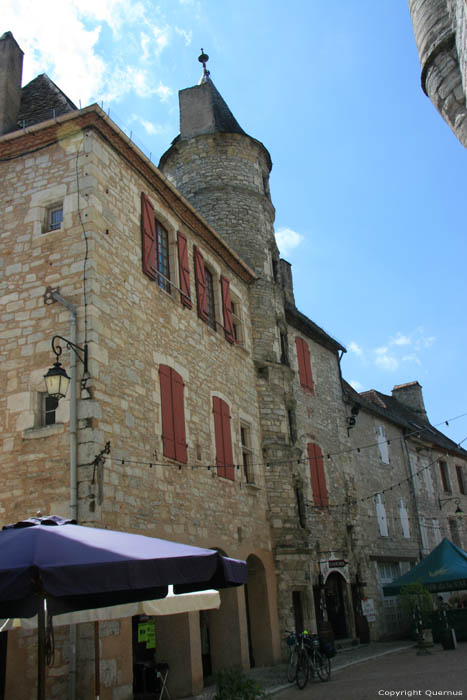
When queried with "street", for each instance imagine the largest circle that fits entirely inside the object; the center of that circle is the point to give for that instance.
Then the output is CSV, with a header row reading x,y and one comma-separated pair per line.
x,y
399,675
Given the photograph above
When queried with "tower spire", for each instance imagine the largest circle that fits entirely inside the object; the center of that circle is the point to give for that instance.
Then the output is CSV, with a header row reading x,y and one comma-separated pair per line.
x,y
204,58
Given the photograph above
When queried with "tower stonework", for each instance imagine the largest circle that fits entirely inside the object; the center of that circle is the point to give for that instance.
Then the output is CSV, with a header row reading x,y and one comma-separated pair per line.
x,y
224,174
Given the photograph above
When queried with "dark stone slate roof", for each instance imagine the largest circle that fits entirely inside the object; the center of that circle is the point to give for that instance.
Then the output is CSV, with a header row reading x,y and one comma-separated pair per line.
x,y
411,422
224,119
309,328
41,99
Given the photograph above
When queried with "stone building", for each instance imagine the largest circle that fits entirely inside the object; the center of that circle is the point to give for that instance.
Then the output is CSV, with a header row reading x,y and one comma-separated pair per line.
x,y
212,412
415,479
440,28
99,248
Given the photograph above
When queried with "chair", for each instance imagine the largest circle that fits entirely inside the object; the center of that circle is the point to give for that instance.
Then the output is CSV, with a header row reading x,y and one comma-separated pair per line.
x,y
162,672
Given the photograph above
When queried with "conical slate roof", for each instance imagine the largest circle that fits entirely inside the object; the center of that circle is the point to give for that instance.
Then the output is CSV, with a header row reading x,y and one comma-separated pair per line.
x,y
224,120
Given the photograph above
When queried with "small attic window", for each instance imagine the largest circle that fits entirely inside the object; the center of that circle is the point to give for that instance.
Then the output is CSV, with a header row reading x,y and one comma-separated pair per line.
x,y
54,217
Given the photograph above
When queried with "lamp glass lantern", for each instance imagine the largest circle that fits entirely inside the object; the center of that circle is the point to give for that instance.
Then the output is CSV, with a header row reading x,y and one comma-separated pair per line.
x,y
57,381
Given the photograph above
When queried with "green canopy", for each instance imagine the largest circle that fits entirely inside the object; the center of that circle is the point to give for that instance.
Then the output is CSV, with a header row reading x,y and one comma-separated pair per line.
x,y
444,569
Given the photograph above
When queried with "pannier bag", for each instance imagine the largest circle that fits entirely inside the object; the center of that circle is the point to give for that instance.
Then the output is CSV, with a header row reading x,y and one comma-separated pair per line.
x,y
327,648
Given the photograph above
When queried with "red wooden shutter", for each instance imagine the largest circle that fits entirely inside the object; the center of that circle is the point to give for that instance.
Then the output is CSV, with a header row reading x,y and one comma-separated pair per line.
x,y
304,365
168,431
224,454
184,269
227,307
200,279
173,414
318,478
179,417
148,231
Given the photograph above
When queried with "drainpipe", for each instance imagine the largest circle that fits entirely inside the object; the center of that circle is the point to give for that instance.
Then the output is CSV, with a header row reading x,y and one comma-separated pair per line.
x,y
414,494
53,294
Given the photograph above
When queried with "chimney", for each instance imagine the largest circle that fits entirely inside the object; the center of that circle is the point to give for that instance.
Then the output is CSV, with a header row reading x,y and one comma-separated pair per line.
x,y
411,396
11,69
286,281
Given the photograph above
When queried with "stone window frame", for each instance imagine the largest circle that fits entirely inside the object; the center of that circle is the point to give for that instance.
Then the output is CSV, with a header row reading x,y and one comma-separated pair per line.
x,y
50,224
246,452
444,476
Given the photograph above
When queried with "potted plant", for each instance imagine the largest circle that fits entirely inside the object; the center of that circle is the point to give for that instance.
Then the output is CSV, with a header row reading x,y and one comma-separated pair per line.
x,y
417,604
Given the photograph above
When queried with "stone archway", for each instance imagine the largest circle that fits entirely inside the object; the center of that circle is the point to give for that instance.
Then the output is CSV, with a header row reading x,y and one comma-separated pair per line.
x,y
224,632
335,592
258,615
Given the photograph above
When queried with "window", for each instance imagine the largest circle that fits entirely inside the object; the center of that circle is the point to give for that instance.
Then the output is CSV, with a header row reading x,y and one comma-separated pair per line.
x,y
155,246
49,406
454,531
54,217
237,321
184,270
318,478
284,349
204,290
461,479
381,516
210,298
304,366
444,473
173,414
227,307
292,424
436,530
424,534
224,455
245,439
404,519
162,257
392,610
382,444
300,506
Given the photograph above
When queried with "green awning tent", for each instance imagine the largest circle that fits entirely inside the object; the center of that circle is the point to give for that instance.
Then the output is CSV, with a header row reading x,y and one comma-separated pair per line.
x,y
444,569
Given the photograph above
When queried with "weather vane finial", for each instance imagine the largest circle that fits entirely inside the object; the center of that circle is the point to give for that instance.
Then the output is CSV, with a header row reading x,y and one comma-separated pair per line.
x,y
204,58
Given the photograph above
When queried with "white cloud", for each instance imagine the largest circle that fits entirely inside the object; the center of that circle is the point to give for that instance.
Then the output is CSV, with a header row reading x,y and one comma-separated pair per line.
x,y
355,384
401,339
386,361
92,49
187,35
148,126
355,348
287,239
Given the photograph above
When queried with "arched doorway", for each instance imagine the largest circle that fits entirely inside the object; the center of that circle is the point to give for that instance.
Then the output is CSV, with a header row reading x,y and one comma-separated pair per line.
x,y
258,617
336,598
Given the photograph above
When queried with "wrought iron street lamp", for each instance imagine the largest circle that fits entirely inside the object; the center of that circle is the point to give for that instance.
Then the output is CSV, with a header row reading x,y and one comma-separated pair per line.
x,y
459,513
56,379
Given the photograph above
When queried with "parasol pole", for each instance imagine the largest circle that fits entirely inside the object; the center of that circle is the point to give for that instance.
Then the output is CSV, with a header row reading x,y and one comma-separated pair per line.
x,y
97,675
41,648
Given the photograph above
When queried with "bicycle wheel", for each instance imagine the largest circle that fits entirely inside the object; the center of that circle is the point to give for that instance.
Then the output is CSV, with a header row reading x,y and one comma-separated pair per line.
x,y
323,666
301,677
292,666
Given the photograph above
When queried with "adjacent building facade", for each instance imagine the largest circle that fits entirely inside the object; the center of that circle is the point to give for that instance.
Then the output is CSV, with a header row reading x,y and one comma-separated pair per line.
x,y
212,411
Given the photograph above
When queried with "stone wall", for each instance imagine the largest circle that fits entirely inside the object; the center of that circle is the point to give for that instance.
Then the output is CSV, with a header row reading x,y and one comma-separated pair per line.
x,y
132,326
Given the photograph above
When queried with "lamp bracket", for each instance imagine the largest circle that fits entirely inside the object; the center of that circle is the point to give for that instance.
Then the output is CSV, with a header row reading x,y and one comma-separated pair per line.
x,y
81,353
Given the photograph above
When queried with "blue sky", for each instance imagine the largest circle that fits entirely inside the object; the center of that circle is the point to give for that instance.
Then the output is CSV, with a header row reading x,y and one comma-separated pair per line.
x,y
367,178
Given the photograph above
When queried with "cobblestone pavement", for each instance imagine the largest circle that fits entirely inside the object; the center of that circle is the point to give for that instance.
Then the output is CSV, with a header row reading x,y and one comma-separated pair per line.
x,y
400,674
273,678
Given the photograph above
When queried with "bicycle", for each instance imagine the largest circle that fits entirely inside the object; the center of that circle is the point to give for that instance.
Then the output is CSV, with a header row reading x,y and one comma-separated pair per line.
x,y
292,642
310,657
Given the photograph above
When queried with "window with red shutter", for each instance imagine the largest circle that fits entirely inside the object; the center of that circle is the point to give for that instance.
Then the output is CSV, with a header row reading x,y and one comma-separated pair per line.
x,y
200,281
223,436
304,365
318,478
229,330
173,414
184,270
148,231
